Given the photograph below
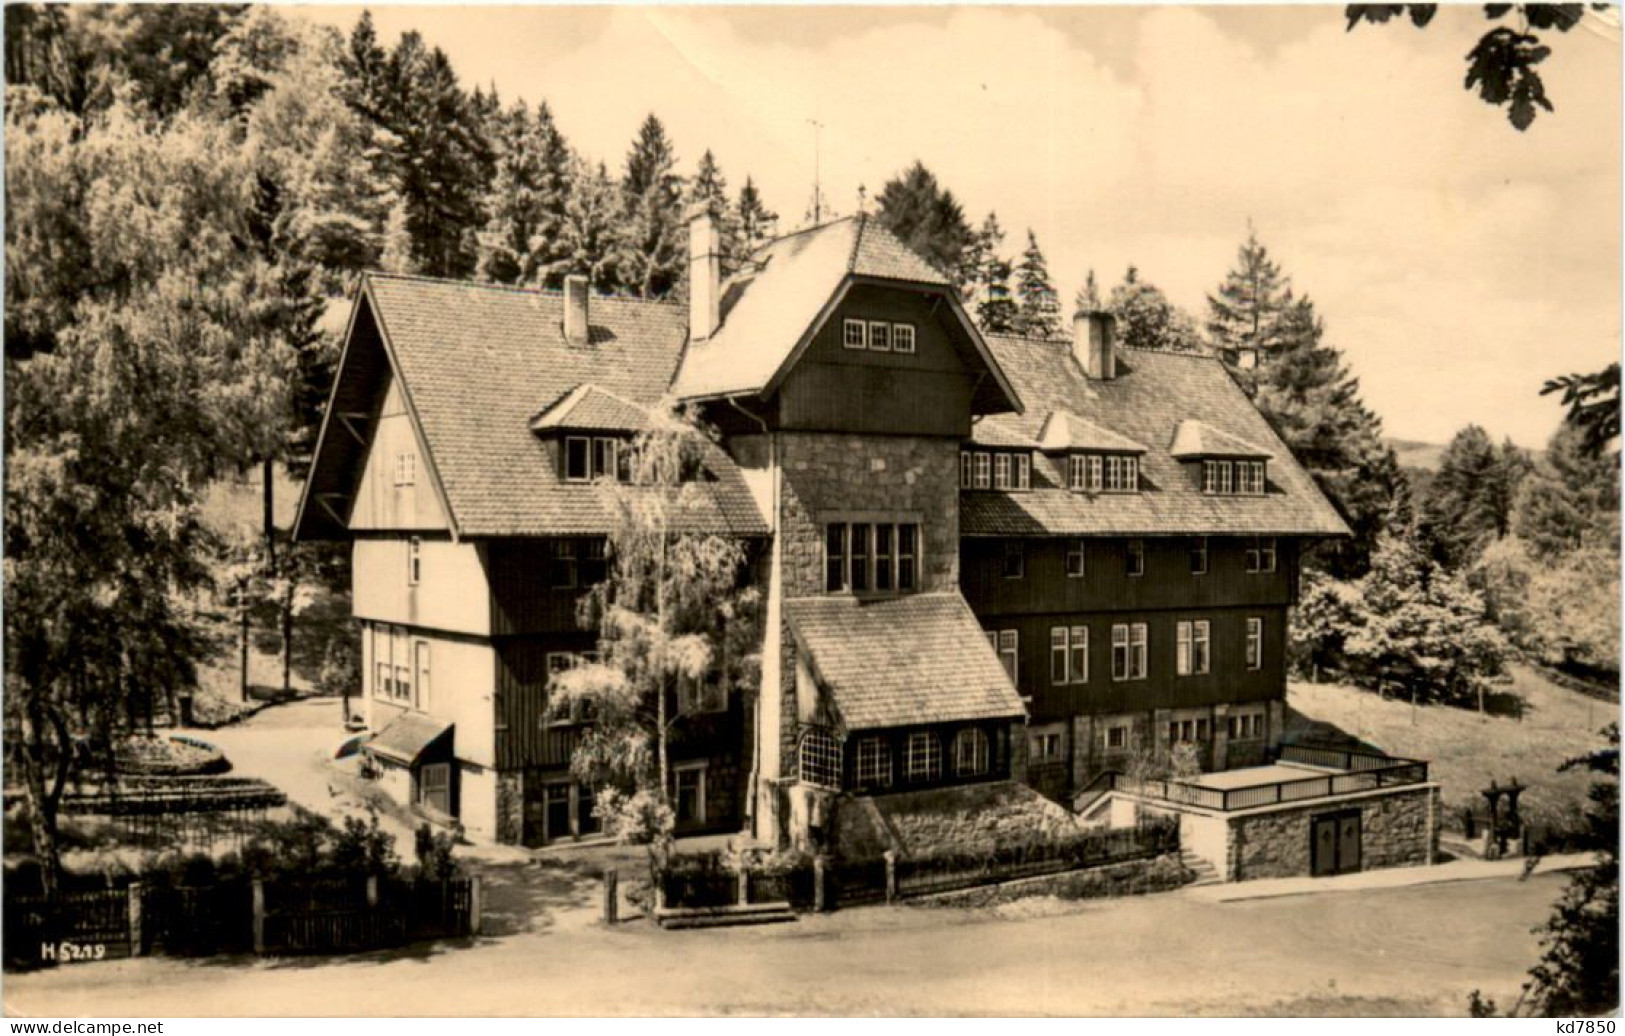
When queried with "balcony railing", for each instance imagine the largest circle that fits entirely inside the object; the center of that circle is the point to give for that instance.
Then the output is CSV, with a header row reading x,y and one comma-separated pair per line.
x,y
1358,771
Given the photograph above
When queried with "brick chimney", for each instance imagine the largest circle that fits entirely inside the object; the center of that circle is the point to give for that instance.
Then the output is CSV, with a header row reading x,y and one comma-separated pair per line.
x,y
575,309
704,274
1094,344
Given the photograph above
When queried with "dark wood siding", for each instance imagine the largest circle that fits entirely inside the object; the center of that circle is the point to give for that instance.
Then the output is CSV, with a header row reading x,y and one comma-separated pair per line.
x,y
1228,679
524,737
927,392
1167,582
523,601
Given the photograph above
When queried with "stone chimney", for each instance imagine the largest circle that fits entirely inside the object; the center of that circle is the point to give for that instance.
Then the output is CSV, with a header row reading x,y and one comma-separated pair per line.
x,y
704,274
575,309
1094,344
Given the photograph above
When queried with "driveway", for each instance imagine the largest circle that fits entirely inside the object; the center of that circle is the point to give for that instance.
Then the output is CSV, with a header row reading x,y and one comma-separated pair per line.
x,y
1405,951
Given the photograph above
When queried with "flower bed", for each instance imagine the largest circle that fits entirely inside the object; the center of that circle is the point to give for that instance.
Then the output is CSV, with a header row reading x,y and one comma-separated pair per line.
x,y
175,756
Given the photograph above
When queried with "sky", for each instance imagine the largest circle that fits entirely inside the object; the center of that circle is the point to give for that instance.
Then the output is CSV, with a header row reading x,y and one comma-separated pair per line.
x,y
1457,262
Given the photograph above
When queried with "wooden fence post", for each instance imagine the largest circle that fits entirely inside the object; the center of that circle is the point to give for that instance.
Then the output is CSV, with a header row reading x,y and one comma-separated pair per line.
x,y
742,883
474,905
818,884
612,896
891,875
134,892
259,918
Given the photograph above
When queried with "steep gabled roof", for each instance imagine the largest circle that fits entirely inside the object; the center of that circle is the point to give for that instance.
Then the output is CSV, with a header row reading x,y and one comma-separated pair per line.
x,y
1196,439
474,363
1153,394
589,408
901,661
1067,431
772,308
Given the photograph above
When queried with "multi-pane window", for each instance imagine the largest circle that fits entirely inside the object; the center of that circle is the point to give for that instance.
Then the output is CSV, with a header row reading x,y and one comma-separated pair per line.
x,y
1134,557
874,763
1044,744
1001,471
1074,559
1068,654
1112,473
1255,643
575,563
871,557
406,468
562,662
1015,559
966,459
853,334
1005,643
403,663
594,564
414,561
1199,556
588,458
1261,555
1192,657
1245,726
421,672
821,759
970,753
1128,651
1024,471
984,471
1122,474
902,338
879,336
1250,477
1115,737
981,469
383,680
1241,476
1188,730
562,564
924,757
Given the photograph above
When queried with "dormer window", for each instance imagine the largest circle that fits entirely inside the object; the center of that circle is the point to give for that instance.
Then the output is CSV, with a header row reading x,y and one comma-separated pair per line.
x,y
980,469
596,457
1103,473
1230,477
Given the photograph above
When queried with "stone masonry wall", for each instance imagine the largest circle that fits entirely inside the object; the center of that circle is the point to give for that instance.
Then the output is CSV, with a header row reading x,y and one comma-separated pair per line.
x,y
860,477
510,807
1397,829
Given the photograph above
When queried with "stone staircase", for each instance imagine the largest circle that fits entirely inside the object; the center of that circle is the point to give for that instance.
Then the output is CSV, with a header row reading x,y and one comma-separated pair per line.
x,y
724,917
1206,873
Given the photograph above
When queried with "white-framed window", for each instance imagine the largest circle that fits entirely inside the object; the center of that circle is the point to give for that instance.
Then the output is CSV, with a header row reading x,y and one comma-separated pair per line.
x,y
970,753
1128,651
406,468
924,757
854,334
577,458
1252,477
689,804
1261,555
1134,558
902,338
414,561
1122,474
1015,559
821,759
1077,471
401,654
1068,654
1044,744
1006,643
1192,654
604,452
420,666
984,471
1002,463
1115,738
383,666
874,763
1245,726
1199,556
1024,471
1075,560
879,336
434,787
966,459
871,557
1255,643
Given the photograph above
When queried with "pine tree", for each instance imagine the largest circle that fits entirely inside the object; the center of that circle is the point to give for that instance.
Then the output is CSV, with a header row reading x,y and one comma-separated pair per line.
x,y
1570,501
1244,313
1146,319
525,204
588,236
1469,502
996,311
928,219
1039,310
651,257
710,187
757,224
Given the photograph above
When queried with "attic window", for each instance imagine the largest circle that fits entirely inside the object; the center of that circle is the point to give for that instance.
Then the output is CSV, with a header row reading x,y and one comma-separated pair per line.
x,y
588,458
902,338
878,336
1226,477
1109,473
854,334
980,469
406,468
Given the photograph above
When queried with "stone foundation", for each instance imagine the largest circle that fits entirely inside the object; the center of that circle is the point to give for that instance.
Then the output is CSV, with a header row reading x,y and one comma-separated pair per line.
x,y
1133,878
1398,828
510,805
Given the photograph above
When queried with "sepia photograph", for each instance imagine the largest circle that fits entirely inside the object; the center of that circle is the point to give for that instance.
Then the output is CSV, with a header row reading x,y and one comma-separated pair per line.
x,y
922,511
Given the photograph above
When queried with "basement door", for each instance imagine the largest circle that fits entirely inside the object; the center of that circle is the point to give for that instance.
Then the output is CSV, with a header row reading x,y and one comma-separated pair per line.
x,y
1334,846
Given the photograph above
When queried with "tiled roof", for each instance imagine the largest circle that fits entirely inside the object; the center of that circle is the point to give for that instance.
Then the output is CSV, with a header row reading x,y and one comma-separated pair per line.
x,y
900,661
1194,439
590,408
407,737
769,309
476,361
1064,431
1153,393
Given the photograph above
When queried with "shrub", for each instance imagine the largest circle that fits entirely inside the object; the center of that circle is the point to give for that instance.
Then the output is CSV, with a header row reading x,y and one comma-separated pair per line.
x,y
434,853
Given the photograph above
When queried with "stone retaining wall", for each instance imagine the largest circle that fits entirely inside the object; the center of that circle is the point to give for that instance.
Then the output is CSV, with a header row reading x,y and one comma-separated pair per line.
x,y
1133,878
1399,828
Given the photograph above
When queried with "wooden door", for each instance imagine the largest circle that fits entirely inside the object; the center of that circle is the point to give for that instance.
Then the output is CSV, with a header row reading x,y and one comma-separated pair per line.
x,y
1323,846
1348,843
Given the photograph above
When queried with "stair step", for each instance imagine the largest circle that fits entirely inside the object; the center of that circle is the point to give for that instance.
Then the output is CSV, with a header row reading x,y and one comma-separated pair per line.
x,y
725,921
733,910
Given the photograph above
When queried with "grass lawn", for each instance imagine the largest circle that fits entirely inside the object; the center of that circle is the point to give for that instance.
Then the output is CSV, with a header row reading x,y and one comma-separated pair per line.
x,y
1466,749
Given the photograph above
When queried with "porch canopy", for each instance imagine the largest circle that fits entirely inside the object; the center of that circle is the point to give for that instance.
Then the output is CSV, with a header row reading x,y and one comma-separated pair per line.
x,y
901,661
410,737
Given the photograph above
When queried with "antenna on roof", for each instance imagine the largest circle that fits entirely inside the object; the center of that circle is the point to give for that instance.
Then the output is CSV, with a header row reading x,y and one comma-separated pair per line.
x,y
815,212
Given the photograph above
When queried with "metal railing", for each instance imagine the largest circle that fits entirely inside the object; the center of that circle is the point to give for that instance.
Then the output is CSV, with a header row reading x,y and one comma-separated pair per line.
x,y
1359,771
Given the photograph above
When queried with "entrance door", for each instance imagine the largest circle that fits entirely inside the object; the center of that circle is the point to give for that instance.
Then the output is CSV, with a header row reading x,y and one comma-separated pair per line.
x,y
690,797
1334,843
557,812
